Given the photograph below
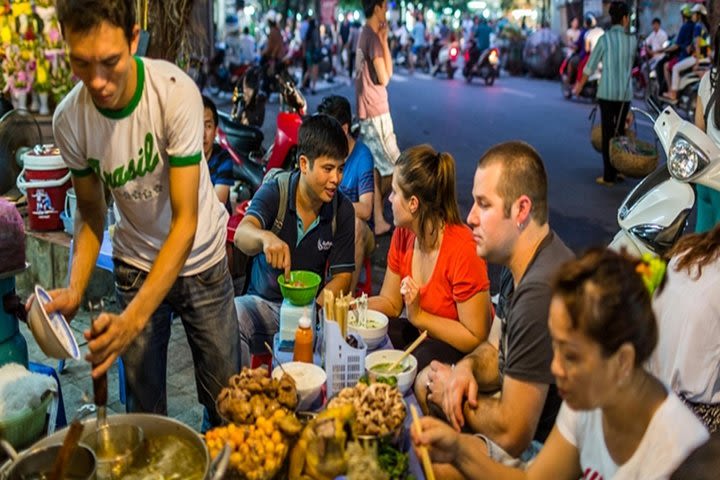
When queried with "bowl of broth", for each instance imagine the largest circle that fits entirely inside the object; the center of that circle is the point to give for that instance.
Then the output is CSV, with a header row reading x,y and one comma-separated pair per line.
x,y
377,364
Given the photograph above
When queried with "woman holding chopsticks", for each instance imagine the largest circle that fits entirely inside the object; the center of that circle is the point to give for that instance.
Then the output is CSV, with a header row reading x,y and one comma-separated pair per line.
x,y
432,271
617,420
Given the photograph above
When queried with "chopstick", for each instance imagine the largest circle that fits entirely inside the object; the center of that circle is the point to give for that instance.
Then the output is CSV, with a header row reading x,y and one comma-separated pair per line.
x,y
408,351
424,454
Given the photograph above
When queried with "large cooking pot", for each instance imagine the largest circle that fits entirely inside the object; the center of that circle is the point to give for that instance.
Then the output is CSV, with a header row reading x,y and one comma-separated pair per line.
x,y
38,462
153,426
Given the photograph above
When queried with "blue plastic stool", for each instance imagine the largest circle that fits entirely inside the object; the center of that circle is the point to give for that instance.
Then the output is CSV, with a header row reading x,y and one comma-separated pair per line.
x,y
121,377
61,420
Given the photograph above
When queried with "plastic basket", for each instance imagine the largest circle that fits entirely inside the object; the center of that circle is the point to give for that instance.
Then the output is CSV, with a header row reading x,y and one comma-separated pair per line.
x,y
24,428
344,364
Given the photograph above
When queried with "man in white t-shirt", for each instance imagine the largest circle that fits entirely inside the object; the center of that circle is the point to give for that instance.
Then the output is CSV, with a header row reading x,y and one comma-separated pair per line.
x,y
656,40
135,126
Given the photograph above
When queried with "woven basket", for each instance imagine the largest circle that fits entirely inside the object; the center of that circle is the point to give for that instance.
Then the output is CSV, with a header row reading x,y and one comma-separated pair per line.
x,y
596,137
24,428
633,157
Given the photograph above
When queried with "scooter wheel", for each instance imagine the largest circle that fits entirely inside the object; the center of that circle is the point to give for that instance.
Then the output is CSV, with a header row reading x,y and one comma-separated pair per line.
x,y
468,78
489,80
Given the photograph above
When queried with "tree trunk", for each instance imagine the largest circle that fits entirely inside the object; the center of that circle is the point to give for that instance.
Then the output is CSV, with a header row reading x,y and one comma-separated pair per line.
x,y
713,17
173,28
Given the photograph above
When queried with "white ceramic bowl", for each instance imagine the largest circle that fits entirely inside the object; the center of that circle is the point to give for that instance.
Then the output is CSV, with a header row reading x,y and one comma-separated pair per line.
x,y
405,379
309,380
51,332
373,337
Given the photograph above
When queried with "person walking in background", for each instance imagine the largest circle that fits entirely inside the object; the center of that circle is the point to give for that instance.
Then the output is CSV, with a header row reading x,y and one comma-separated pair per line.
x,y
352,47
312,45
616,50
707,119
374,69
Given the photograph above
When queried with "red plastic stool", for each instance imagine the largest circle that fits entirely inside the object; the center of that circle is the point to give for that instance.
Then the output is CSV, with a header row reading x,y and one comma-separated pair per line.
x,y
365,284
260,359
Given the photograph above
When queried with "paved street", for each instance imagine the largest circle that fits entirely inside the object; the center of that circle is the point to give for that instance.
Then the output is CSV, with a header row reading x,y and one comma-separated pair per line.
x,y
464,120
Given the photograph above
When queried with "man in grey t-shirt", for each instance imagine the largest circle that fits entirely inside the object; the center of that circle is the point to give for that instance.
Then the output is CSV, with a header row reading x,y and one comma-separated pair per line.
x,y
518,402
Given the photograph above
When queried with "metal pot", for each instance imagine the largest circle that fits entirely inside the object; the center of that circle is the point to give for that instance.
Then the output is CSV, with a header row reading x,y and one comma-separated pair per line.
x,y
38,462
157,425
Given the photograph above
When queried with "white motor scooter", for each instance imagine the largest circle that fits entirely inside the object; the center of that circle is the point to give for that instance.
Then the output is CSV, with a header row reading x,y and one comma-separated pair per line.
x,y
654,215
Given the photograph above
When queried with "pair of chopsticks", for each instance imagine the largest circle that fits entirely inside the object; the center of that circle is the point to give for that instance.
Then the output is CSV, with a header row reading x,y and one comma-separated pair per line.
x,y
422,449
408,351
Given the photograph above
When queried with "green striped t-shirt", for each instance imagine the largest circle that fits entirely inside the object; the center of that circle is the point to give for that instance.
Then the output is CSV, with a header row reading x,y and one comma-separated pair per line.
x,y
616,50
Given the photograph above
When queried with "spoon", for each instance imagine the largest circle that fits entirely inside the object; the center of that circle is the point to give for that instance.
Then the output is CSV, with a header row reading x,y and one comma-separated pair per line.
x,y
70,443
408,351
272,354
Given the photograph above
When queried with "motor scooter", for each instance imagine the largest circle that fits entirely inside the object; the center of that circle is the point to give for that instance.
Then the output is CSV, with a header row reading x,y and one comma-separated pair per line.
x,y
447,60
687,89
654,214
485,65
567,83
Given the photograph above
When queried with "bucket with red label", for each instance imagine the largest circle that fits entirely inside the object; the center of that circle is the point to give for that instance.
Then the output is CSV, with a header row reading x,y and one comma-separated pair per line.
x,y
44,180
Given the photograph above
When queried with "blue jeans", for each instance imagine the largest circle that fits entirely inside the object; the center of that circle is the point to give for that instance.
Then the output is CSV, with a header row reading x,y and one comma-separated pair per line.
x,y
258,320
205,304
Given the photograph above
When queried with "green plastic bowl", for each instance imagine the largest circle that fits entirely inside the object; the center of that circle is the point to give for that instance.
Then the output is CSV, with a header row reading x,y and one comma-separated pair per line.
x,y
300,296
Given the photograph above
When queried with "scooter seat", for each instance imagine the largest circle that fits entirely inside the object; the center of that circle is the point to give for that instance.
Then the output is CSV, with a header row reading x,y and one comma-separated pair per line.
x,y
243,138
250,172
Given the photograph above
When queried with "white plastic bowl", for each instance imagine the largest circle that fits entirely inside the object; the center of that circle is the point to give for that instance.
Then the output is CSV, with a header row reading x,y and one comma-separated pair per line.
x,y
405,379
373,337
52,332
309,379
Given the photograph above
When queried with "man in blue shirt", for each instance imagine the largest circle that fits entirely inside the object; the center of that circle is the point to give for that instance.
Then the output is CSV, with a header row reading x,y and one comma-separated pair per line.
x,y
357,181
680,49
219,160
318,230
482,35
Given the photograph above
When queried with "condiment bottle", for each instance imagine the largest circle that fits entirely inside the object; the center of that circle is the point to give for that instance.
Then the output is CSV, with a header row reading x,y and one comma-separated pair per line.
x,y
303,351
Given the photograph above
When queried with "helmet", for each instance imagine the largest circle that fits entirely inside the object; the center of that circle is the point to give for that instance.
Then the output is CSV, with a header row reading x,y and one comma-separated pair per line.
x,y
590,20
686,10
699,8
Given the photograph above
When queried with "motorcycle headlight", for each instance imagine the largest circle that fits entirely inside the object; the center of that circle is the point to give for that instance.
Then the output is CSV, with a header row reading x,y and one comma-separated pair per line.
x,y
685,160
493,59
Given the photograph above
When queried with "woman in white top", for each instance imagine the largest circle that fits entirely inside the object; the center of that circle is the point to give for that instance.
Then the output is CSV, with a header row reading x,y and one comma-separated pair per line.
x,y
687,307
617,421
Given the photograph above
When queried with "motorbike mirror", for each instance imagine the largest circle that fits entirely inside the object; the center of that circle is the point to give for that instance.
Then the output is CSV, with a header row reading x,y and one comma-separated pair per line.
x,y
653,105
644,113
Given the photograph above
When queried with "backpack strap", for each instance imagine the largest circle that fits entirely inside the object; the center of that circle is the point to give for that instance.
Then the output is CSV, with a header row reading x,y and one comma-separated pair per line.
x,y
283,180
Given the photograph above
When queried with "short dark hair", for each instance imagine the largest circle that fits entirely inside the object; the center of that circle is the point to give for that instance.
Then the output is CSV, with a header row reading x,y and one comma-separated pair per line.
x,y
322,136
84,15
656,20
618,10
523,173
337,107
246,31
607,301
207,103
369,7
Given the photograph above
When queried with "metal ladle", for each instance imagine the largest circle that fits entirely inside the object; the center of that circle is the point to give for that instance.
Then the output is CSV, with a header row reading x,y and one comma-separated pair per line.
x,y
116,445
